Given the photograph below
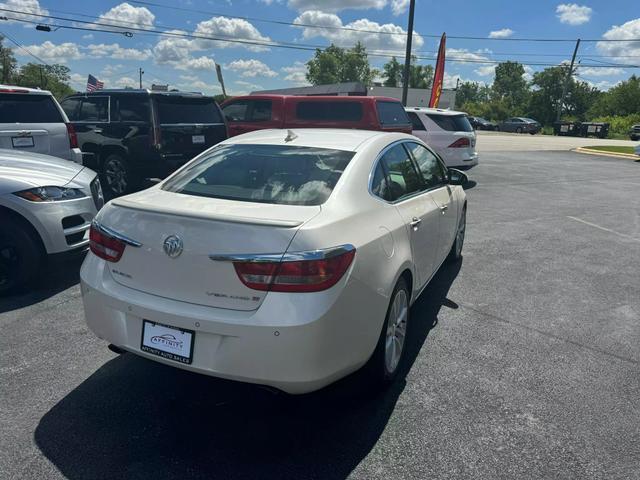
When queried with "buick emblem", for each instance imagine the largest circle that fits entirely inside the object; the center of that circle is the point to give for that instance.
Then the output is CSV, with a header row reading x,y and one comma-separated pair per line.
x,y
172,246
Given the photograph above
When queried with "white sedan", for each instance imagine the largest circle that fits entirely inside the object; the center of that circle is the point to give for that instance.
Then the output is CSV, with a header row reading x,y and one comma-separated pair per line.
x,y
283,258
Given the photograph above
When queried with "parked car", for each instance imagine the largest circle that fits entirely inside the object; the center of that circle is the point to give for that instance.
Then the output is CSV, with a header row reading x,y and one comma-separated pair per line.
x,y
256,112
634,133
31,120
479,123
520,125
283,258
46,207
129,135
448,132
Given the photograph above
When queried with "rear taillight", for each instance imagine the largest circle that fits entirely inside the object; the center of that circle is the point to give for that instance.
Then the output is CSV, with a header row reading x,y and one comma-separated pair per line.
x,y
73,137
461,143
311,275
104,245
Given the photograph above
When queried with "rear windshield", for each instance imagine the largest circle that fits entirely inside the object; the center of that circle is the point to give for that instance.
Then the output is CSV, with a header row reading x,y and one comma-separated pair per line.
x,y
392,113
264,173
176,109
25,108
329,111
452,123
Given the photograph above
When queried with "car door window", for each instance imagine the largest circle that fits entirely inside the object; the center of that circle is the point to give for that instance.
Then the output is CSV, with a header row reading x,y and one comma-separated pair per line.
x,y
133,108
261,111
416,123
236,112
402,176
392,113
70,107
94,109
379,184
432,171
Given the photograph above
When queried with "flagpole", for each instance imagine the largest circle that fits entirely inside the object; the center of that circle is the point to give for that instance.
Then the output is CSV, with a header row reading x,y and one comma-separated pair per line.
x,y
407,57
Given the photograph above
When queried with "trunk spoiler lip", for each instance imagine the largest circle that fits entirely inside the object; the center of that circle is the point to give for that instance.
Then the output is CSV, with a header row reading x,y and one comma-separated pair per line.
x,y
212,216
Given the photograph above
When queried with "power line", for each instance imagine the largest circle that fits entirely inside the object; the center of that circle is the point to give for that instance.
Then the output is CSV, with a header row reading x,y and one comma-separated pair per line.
x,y
22,47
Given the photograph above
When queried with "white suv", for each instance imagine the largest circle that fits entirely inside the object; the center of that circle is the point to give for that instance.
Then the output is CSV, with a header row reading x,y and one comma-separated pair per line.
x,y
31,120
447,132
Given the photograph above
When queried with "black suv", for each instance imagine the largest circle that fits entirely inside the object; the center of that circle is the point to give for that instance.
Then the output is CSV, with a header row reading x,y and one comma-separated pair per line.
x,y
129,135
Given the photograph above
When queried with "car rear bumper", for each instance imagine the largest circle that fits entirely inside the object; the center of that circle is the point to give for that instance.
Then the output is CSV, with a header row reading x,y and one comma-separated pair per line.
x,y
294,342
460,158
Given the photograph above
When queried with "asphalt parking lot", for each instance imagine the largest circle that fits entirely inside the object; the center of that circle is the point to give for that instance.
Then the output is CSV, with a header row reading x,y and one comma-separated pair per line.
x,y
525,362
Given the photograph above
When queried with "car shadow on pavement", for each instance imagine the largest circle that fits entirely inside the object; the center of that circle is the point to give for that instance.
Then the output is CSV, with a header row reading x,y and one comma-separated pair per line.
x,y
56,275
134,418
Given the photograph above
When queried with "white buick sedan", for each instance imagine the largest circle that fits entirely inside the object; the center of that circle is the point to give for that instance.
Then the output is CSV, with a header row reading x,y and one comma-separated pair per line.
x,y
283,258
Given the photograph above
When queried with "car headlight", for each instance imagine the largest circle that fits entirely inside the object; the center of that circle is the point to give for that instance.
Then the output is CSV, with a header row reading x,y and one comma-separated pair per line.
x,y
50,194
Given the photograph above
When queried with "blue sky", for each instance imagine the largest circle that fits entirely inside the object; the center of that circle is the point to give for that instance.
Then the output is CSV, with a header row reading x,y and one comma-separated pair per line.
x,y
188,63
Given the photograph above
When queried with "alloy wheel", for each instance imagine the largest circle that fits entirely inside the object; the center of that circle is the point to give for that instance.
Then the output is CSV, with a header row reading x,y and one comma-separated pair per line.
x,y
116,176
396,331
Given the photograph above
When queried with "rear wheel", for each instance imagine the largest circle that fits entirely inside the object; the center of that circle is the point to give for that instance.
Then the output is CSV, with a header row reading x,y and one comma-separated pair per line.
x,y
117,176
384,364
456,249
20,255
519,130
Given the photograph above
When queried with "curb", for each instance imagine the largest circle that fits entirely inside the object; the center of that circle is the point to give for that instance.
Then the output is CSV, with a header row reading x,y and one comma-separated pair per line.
x,y
590,151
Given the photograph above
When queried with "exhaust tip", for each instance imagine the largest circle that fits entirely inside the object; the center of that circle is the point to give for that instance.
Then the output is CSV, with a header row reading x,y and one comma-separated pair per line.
x,y
116,349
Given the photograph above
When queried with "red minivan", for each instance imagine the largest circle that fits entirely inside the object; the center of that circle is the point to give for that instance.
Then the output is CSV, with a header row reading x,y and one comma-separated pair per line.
x,y
256,112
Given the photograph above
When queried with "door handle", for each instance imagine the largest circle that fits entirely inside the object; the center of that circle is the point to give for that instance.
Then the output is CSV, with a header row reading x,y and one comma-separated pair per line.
x,y
443,208
415,223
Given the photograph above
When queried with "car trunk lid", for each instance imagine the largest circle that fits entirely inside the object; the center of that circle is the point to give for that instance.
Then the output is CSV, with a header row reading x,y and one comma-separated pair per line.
x,y
204,227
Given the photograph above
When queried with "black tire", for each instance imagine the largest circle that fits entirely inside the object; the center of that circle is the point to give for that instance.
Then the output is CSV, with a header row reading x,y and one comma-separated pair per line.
x,y
378,374
21,255
533,132
117,177
519,130
455,254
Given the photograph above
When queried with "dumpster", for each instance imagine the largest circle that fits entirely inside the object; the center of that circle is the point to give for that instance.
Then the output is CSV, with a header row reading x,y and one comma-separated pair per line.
x,y
594,129
570,129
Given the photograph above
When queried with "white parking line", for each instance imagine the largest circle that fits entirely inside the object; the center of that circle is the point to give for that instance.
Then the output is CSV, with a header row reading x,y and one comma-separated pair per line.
x,y
604,229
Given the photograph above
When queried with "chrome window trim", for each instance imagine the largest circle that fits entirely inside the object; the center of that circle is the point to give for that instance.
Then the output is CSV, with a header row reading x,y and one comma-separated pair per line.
x,y
112,233
415,194
320,254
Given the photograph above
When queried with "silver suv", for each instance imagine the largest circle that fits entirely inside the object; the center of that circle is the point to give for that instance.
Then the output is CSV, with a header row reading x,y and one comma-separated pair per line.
x,y
32,121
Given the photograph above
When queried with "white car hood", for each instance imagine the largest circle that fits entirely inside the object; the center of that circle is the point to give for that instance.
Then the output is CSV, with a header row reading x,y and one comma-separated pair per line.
x,y
34,170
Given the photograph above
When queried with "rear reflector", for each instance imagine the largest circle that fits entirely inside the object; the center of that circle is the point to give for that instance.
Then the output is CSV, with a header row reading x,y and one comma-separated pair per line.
x,y
105,246
295,276
461,143
73,137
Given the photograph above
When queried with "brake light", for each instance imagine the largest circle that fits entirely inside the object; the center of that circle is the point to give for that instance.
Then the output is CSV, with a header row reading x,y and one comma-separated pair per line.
x,y
105,246
73,137
295,275
13,90
461,143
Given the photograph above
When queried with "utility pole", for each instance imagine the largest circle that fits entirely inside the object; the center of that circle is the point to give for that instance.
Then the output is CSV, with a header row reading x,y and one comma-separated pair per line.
x,y
566,82
407,57
141,72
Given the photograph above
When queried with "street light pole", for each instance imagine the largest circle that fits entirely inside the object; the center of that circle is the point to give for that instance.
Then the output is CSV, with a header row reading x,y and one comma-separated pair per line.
x,y
140,71
407,58
566,82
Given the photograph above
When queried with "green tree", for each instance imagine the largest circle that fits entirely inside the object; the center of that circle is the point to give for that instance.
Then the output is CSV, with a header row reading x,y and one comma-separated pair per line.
x,y
47,77
8,63
509,84
335,65
420,76
472,92
623,99
392,73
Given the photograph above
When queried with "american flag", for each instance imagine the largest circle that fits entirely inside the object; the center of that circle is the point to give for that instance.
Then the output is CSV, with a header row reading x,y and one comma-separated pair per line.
x,y
94,84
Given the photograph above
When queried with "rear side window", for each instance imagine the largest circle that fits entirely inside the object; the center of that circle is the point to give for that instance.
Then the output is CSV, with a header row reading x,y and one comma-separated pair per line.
x,y
174,109
25,108
94,109
452,123
416,123
261,111
402,176
133,108
71,107
392,113
236,112
329,111
432,171
264,173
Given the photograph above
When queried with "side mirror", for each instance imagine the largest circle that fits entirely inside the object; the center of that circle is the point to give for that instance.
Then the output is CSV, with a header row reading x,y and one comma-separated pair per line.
x,y
456,177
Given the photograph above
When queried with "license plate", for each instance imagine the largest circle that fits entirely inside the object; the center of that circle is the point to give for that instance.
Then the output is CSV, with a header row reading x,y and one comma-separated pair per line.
x,y
21,142
167,342
197,138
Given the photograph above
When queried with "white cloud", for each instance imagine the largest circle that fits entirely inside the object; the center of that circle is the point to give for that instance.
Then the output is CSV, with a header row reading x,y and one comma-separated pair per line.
x,y
78,81
176,52
122,82
502,33
60,53
251,68
628,30
199,63
398,7
392,37
88,36
296,73
600,72
233,28
573,14
601,85
248,85
116,51
31,6
456,54
486,70
126,15
336,5
195,84
110,70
